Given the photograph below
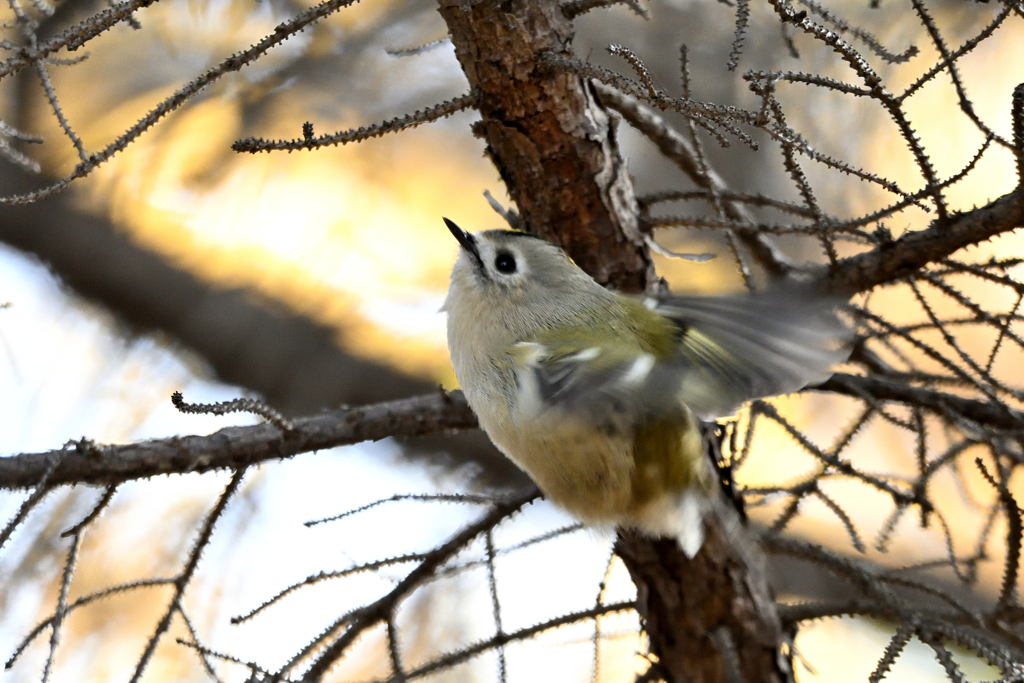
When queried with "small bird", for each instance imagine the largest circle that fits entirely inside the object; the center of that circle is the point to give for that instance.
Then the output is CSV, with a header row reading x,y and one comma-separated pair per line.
x,y
596,394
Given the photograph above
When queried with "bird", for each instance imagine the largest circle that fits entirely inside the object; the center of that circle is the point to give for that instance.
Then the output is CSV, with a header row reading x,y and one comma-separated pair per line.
x,y
597,395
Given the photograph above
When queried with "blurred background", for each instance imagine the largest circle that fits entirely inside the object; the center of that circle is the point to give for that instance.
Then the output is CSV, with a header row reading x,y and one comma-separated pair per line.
x,y
314,279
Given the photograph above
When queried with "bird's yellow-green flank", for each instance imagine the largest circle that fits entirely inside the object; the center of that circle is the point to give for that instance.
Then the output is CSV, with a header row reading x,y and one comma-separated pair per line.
x,y
613,467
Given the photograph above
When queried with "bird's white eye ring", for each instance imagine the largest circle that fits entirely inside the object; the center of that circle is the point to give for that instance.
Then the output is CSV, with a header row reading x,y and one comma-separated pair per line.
x,y
504,262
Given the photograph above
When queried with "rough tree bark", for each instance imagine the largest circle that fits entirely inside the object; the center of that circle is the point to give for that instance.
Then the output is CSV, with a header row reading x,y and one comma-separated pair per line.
x,y
551,141
711,618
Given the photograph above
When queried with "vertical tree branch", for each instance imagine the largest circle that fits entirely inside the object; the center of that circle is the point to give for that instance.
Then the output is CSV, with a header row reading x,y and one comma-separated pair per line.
x,y
692,608
1018,132
552,143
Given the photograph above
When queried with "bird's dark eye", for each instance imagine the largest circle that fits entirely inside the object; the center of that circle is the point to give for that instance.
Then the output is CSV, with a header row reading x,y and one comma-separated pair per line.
x,y
505,262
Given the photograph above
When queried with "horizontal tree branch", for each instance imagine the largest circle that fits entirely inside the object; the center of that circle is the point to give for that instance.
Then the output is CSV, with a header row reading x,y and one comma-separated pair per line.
x,y
85,462
905,256
984,413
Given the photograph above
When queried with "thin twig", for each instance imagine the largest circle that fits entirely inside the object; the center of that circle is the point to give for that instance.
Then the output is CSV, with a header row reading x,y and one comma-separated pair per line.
x,y
62,601
183,579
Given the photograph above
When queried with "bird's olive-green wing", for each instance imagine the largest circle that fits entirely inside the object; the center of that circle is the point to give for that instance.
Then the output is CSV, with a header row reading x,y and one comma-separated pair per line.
x,y
718,353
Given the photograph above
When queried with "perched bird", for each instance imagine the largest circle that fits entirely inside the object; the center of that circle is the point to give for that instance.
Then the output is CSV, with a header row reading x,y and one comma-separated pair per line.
x,y
596,394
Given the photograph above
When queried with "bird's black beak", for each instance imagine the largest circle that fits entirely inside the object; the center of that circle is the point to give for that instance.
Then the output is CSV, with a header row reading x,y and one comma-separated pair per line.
x,y
466,241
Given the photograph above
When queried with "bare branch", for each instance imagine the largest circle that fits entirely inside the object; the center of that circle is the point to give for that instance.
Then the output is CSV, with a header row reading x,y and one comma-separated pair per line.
x,y
874,83
233,63
51,96
1015,530
867,38
742,19
492,584
679,150
954,407
438,111
324,576
447,661
76,36
62,601
203,655
377,612
908,254
892,651
41,481
424,497
235,447
238,405
100,505
81,602
182,580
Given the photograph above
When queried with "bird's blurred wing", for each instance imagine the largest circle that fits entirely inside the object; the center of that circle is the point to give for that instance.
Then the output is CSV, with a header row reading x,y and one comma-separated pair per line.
x,y
605,382
736,348
727,350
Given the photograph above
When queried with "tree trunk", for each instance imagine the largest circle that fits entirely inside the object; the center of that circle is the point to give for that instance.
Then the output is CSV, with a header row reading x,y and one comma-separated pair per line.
x,y
552,143
711,618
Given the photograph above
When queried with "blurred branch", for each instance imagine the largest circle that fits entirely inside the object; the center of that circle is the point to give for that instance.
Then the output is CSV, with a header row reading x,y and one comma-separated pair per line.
x,y
74,37
293,362
85,462
235,62
310,141
288,358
